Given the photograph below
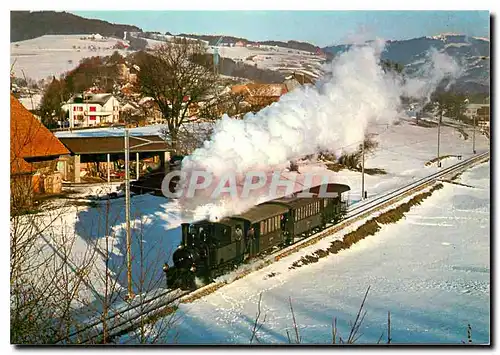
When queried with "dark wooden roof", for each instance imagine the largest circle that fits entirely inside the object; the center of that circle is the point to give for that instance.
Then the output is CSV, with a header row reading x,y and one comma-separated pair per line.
x,y
103,145
261,212
293,202
340,188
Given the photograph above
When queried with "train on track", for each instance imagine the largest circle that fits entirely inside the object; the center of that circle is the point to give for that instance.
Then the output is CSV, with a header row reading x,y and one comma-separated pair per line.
x,y
210,249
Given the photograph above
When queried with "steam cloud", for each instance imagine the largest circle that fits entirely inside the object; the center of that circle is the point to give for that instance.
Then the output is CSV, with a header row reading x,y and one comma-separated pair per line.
x,y
332,116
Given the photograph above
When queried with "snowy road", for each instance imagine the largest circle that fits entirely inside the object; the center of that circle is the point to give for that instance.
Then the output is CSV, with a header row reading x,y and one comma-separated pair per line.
x,y
431,270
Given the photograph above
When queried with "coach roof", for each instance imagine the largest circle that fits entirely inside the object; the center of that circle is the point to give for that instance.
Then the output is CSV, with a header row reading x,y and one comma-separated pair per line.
x,y
261,212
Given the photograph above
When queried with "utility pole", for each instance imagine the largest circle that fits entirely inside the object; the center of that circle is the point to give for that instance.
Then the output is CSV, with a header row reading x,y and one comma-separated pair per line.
x,y
130,293
363,170
439,131
474,136
127,214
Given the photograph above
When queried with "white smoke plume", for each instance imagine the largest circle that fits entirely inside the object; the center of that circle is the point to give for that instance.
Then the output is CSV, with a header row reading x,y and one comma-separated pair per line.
x,y
331,116
437,67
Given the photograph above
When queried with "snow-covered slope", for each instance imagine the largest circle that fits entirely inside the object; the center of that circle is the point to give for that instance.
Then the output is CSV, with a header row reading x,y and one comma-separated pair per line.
x,y
431,270
53,55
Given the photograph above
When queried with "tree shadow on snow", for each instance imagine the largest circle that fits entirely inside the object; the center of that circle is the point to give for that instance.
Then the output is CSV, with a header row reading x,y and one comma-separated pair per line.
x,y
155,233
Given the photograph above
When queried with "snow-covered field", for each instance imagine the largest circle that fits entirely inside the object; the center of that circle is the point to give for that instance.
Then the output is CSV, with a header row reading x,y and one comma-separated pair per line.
x,y
274,58
31,102
404,149
431,270
50,55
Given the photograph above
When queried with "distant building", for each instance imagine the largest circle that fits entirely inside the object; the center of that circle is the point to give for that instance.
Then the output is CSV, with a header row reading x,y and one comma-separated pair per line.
x,y
151,111
260,94
240,44
92,110
97,37
481,112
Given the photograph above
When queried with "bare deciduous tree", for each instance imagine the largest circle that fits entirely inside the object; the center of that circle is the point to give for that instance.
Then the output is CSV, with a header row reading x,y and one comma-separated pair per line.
x,y
175,76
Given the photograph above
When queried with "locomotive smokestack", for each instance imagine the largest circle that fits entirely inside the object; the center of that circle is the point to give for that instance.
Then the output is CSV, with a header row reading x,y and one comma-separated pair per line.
x,y
185,230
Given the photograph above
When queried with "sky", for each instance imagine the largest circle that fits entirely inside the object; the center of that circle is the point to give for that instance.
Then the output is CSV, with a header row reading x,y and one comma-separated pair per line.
x,y
321,28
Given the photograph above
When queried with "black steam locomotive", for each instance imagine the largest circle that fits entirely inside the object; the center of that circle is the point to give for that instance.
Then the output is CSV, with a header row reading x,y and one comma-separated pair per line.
x,y
210,249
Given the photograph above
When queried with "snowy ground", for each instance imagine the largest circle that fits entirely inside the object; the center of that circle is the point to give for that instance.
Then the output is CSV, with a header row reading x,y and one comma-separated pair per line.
x,y
54,54
404,150
431,270
274,58
31,103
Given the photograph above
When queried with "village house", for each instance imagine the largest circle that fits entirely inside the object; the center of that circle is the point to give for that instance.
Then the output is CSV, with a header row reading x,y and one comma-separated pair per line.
x,y
260,94
151,111
481,112
34,157
90,110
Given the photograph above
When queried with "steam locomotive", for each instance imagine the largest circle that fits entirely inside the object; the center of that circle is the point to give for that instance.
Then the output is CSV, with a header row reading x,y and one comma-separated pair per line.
x,y
210,249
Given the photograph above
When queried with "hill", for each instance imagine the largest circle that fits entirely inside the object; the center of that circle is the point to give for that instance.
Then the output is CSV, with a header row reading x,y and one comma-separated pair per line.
x,y
27,25
471,52
212,40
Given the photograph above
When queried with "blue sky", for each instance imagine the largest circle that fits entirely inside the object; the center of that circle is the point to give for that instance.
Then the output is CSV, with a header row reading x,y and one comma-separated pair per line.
x,y
318,27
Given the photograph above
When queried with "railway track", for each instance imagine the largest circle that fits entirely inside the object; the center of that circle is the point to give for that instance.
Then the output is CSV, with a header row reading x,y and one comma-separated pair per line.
x,y
128,318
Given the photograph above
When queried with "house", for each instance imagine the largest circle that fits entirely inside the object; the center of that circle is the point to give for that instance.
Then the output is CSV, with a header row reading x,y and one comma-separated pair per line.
x,y
301,78
260,94
128,90
91,110
481,112
34,157
151,111
132,114
240,44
